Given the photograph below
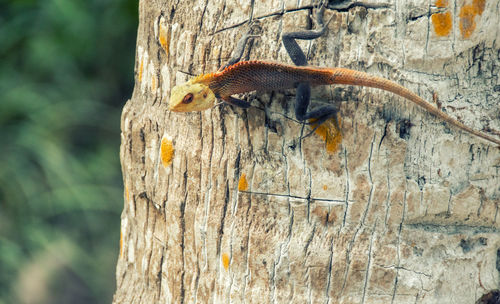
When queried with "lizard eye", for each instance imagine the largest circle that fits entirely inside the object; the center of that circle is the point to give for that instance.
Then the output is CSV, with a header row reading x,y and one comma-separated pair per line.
x,y
188,98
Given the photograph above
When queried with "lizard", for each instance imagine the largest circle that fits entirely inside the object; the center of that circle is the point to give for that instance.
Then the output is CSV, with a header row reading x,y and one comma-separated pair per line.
x,y
201,92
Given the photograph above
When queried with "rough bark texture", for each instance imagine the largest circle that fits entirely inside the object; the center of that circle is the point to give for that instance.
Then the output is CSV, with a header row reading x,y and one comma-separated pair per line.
x,y
405,211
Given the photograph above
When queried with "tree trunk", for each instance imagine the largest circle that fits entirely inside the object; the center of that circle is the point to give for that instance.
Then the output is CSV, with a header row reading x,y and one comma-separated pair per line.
x,y
230,205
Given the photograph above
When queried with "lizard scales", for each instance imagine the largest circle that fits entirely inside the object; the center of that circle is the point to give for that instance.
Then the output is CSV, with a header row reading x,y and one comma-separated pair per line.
x,y
255,75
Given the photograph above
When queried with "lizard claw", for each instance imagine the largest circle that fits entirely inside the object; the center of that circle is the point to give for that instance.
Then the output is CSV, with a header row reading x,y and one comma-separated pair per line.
x,y
318,22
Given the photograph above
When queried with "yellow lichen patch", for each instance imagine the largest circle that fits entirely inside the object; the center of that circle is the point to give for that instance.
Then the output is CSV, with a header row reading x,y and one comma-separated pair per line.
x,y
126,193
141,68
164,37
153,83
442,23
167,151
325,187
468,15
225,261
329,132
243,184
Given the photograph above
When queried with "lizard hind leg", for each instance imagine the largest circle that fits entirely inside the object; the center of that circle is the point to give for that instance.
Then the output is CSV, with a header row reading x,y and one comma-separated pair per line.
x,y
324,120
330,132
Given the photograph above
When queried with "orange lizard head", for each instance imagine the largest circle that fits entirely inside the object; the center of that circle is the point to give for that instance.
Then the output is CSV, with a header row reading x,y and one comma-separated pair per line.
x,y
191,96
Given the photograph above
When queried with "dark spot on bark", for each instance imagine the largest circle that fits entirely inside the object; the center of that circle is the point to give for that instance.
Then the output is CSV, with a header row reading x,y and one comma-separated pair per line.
x,y
498,260
404,129
417,251
466,245
270,124
492,297
469,244
172,13
421,182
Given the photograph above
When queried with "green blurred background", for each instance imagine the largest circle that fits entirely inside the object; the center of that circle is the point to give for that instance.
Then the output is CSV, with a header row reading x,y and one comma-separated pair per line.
x,y
66,70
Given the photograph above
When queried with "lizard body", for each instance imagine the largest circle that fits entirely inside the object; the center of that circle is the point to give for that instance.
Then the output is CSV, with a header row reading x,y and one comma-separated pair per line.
x,y
201,93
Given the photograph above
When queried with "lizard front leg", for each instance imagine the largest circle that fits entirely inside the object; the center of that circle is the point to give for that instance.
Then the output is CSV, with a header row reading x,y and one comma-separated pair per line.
x,y
235,58
298,57
239,49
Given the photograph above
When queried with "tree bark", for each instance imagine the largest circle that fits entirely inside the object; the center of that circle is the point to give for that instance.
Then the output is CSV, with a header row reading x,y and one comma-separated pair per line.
x,y
229,205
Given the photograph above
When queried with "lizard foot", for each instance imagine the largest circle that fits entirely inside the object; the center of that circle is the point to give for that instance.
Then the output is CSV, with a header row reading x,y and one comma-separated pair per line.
x,y
329,131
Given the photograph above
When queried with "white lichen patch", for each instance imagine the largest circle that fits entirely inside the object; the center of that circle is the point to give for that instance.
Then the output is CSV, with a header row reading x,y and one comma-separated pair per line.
x,y
130,251
165,82
183,48
146,75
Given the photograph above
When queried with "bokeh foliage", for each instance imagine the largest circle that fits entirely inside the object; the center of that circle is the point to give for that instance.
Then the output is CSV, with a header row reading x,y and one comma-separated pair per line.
x,y
66,69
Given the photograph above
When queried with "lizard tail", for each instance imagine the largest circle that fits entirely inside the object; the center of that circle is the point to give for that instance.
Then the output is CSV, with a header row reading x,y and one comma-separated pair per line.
x,y
352,77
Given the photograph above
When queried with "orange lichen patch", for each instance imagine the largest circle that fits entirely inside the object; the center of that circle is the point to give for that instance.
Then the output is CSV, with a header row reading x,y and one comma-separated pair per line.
x,y
141,68
479,5
225,261
164,38
468,15
126,193
325,187
167,151
242,183
467,22
442,23
441,3
329,132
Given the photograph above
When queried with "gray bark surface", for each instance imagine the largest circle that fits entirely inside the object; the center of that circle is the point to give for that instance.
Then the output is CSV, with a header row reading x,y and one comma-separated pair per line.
x,y
405,211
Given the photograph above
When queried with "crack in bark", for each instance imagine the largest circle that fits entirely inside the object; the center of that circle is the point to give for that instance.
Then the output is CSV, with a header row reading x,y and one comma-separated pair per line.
x,y
237,175
182,208
388,199
330,274
347,6
272,276
270,15
309,189
346,201
223,217
159,278
290,196
452,229
247,266
308,241
367,271
398,244
202,16
362,222
404,268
